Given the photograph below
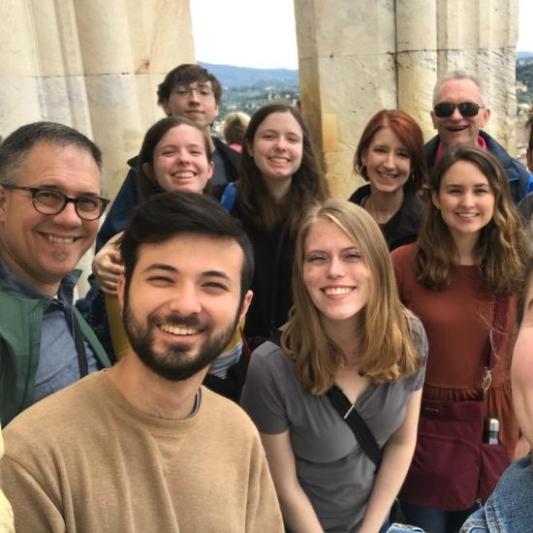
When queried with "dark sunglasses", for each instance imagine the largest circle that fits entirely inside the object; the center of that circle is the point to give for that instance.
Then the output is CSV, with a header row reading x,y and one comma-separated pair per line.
x,y
446,109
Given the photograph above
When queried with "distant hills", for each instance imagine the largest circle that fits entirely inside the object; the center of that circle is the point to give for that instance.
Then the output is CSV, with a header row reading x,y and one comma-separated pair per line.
x,y
232,77
524,55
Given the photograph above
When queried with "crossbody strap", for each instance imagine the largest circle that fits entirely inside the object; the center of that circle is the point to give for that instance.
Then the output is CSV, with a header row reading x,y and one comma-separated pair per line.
x,y
359,427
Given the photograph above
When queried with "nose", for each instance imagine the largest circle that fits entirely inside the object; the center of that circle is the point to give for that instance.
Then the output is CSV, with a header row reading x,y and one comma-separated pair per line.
x,y
467,199
281,143
68,217
193,96
456,115
336,268
185,300
183,157
390,161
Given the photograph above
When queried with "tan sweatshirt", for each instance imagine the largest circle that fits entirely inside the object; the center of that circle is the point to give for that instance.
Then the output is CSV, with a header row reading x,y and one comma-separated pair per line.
x,y
85,460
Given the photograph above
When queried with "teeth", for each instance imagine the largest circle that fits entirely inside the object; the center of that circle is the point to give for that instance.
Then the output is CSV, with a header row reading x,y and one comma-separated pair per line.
x,y
335,291
467,215
178,330
183,175
60,240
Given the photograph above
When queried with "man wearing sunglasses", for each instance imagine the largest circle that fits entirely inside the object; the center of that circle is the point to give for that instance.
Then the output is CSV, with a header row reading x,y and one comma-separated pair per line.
x,y
50,203
459,114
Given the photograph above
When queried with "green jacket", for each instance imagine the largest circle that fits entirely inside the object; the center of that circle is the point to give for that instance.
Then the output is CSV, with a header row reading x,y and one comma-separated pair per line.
x,y
20,339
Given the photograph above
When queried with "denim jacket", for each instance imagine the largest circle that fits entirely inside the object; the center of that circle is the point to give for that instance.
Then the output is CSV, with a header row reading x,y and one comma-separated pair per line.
x,y
510,507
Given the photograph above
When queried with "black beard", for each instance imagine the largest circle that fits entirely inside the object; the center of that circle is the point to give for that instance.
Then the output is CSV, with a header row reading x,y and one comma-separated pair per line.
x,y
174,364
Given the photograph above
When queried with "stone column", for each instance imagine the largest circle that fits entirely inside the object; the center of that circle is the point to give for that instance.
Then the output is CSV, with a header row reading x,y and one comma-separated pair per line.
x,y
126,49
416,57
347,73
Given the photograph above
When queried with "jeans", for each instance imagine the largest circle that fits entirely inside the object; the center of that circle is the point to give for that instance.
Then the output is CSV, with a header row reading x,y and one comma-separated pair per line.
x,y
433,520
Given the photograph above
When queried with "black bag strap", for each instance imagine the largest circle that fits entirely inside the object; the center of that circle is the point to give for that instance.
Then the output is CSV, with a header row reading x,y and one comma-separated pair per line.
x,y
349,414
359,427
77,335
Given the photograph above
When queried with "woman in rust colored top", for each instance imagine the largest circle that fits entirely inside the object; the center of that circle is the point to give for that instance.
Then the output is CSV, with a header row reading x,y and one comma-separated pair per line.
x,y
470,255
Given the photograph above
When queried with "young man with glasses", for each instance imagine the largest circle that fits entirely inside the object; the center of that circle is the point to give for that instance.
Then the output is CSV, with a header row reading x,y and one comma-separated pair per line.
x,y
194,92
459,114
50,203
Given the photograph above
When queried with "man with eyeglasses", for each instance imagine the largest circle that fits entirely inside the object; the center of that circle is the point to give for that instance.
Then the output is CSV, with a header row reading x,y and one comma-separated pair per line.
x,y
194,92
459,112
50,203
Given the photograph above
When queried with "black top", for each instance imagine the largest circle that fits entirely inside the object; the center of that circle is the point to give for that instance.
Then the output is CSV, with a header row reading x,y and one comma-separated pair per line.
x,y
271,285
403,227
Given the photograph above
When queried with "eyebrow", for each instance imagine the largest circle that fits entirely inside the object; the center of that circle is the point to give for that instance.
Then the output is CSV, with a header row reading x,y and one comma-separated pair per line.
x,y
53,187
347,249
173,270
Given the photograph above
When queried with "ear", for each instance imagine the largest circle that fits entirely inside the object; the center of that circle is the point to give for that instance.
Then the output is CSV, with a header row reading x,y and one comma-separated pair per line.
x,y
364,157
434,119
166,108
2,203
248,148
435,199
147,169
211,170
120,290
484,118
245,305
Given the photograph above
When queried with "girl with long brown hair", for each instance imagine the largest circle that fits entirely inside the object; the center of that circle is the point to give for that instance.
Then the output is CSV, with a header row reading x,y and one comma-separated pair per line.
x,y
280,179
461,279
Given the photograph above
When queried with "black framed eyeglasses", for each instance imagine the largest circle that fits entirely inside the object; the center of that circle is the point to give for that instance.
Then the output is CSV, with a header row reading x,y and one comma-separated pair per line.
x,y
446,109
52,202
204,91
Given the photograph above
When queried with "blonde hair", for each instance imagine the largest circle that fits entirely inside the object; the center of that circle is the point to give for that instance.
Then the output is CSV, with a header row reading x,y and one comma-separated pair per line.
x,y
387,350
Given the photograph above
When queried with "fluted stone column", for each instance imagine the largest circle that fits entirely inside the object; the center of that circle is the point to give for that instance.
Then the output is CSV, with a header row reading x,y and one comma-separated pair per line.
x,y
347,72
93,65
416,56
357,57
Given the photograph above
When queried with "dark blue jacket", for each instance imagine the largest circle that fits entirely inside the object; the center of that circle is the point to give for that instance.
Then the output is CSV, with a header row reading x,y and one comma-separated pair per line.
x,y
517,173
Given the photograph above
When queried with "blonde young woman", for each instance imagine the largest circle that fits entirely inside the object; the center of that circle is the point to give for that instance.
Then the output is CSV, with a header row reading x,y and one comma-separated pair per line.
x,y
347,328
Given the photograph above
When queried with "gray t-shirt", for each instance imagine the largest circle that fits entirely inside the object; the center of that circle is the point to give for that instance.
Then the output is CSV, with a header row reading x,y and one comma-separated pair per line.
x,y
332,469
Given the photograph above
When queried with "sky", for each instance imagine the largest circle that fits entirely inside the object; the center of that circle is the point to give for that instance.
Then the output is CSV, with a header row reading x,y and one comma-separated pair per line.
x,y
222,35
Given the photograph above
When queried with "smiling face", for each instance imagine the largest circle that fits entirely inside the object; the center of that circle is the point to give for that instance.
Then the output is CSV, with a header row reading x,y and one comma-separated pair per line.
x,y
43,249
183,303
465,200
387,162
335,275
457,129
180,161
197,103
522,369
277,150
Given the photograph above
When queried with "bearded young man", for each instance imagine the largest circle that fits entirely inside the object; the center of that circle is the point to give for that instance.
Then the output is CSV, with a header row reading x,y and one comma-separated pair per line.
x,y
143,446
